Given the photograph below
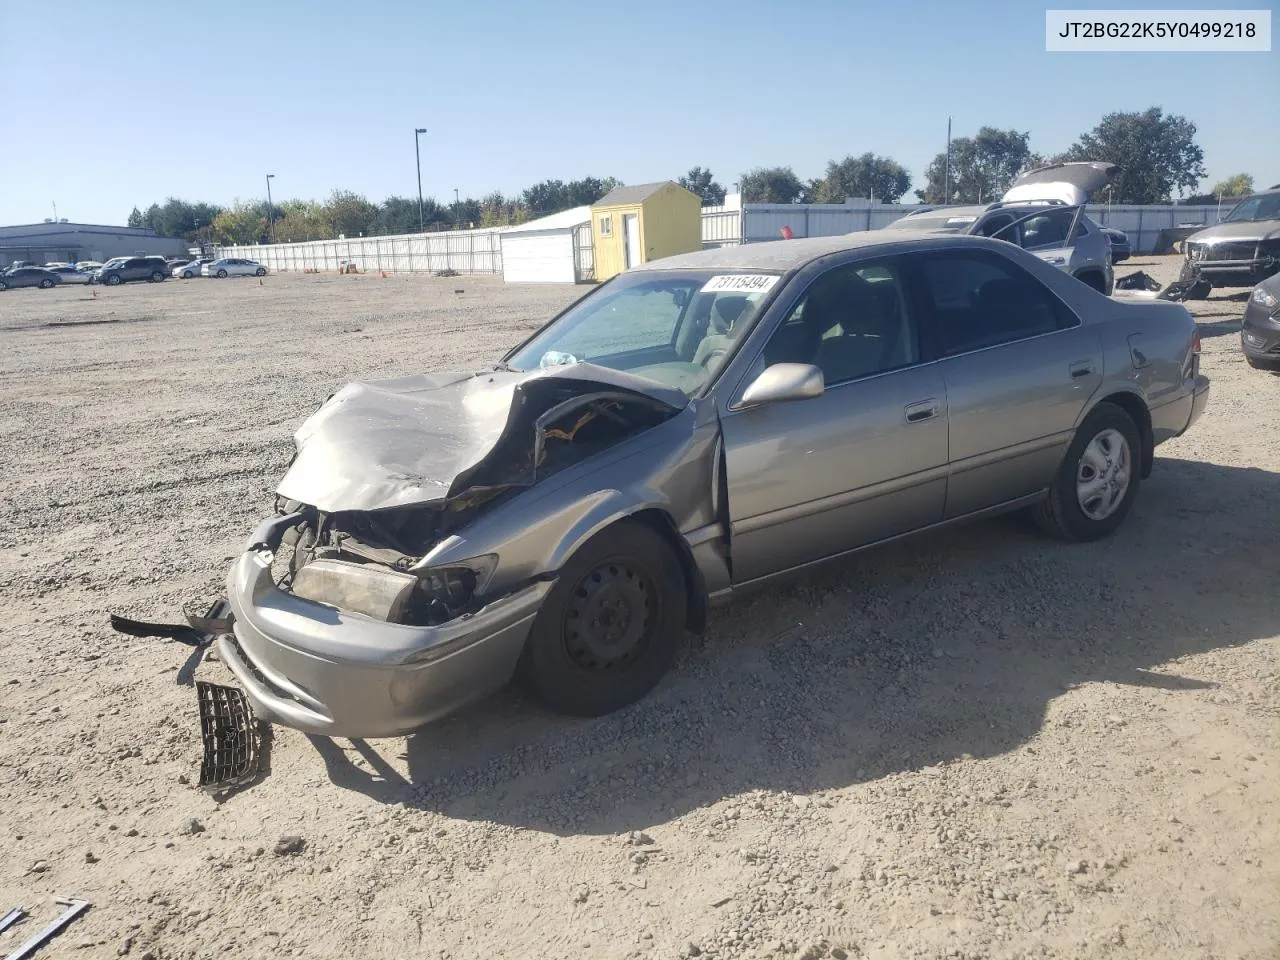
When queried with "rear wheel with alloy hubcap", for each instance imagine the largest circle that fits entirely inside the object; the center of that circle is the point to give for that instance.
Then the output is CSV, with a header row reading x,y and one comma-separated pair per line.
x,y
1098,479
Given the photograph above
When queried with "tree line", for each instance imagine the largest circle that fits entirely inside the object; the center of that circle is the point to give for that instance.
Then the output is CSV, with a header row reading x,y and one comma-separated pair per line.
x,y
1157,155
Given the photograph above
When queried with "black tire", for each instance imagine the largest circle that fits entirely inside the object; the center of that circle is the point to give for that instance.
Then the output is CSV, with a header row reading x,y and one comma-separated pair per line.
x,y
588,667
156,276
1062,515
46,284
187,274
3,285
222,274
260,272
1094,280
113,279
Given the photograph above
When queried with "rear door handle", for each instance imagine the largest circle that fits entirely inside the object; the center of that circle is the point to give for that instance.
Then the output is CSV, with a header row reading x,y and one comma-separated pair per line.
x,y
1081,368
922,410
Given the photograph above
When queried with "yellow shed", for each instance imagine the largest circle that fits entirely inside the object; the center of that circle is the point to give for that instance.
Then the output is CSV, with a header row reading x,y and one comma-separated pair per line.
x,y
633,225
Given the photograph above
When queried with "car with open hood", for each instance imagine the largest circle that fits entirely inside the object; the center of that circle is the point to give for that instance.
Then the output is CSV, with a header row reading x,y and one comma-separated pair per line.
x,y
696,426
1043,212
1244,248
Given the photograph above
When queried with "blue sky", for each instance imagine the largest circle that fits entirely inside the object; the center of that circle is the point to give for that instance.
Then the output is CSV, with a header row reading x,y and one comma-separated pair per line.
x,y
128,104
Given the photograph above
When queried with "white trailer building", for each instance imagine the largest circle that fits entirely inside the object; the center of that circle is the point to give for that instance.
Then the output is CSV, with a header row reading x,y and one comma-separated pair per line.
x,y
554,249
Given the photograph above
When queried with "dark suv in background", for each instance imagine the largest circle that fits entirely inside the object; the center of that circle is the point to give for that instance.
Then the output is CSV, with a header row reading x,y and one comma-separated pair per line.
x,y
1244,248
152,269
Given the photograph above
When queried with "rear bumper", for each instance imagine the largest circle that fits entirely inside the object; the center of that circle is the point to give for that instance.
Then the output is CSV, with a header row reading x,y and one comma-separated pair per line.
x,y
326,671
1199,399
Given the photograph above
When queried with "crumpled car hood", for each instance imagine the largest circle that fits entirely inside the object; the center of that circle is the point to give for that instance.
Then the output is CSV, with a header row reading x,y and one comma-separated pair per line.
x,y
1243,230
411,440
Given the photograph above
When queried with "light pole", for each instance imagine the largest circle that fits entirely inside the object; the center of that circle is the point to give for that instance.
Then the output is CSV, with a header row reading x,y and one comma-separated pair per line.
x,y
457,207
271,221
417,153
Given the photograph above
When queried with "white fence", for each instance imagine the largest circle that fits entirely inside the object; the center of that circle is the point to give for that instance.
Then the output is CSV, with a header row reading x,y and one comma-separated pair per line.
x,y
480,251
466,251
764,221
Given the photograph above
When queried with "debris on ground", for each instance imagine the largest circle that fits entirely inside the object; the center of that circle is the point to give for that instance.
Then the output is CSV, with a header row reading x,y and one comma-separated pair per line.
x,y
75,907
229,732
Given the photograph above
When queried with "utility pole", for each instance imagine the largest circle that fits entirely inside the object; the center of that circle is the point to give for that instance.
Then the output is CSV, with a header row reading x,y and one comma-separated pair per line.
x,y
271,220
417,153
946,176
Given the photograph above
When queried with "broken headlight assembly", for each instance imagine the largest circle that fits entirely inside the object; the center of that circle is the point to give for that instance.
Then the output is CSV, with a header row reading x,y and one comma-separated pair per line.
x,y
449,590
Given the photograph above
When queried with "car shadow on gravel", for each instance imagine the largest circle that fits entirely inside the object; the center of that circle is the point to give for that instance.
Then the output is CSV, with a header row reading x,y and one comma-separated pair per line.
x,y
947,647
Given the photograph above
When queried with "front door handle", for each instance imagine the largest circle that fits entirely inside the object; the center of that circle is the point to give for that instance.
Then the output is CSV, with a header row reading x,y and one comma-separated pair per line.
x,y
922,410
1081,368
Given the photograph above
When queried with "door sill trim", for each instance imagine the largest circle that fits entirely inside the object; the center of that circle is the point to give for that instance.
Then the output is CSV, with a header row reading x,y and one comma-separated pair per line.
x,y
985,513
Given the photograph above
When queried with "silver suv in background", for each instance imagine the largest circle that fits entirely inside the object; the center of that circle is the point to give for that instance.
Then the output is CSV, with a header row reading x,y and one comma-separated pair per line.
x,y
1244,248
1043,212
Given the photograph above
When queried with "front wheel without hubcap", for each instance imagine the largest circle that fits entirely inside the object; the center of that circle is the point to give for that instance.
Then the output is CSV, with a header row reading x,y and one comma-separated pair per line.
x,y
609,628
1098,479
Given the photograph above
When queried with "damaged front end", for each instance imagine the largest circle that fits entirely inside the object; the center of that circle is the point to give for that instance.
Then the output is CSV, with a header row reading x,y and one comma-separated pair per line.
x,y
353,611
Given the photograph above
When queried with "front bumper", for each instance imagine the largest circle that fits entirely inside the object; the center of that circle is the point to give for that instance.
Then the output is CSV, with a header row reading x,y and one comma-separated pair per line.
x,y
1260,334
1244,273
326,671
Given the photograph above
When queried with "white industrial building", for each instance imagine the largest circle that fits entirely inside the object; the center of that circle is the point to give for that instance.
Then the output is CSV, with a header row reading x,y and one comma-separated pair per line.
x,y
554,249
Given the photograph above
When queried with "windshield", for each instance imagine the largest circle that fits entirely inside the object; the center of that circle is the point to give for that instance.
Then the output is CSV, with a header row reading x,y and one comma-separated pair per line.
x,y
941,223
1265,207
674,327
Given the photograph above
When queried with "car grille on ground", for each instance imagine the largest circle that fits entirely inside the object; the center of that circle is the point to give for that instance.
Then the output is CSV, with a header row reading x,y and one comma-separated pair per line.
x,y
228,729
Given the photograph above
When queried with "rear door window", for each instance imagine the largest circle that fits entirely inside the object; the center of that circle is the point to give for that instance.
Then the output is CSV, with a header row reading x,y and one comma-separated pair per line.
x,y
1048,229
979,299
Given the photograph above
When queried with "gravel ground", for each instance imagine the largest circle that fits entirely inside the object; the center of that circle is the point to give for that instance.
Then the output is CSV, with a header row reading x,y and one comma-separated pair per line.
x,y
978,744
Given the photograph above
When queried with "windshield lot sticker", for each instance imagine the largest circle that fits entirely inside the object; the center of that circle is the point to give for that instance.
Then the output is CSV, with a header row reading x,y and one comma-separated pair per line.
x,y
740,283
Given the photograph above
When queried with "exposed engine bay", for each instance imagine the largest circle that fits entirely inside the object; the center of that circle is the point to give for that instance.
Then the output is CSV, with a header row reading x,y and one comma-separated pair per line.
x,y
370,560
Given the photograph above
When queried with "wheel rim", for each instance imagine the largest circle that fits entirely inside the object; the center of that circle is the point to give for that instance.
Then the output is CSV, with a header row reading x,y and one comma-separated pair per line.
x,y
610,617
1102,475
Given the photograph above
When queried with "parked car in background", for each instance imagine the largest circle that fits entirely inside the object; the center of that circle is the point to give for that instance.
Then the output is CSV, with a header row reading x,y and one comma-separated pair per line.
x,y
1043,212
172,262
233,267
55,265
1120,249
151,269
71,274
28,277
88,266
96,276
191,268
1260,332
697,425
1244,248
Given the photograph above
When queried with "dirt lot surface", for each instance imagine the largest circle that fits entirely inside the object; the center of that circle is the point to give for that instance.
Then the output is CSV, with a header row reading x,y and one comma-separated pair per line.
x,y
978,744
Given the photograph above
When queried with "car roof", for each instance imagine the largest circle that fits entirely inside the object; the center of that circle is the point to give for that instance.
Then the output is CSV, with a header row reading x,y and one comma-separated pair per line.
x,y
784,255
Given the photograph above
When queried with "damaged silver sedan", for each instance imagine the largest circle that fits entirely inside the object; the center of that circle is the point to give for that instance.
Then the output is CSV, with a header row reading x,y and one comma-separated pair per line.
x,y
693,426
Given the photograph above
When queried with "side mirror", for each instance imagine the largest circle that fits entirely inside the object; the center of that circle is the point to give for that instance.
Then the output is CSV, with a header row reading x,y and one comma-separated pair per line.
x,y
784,381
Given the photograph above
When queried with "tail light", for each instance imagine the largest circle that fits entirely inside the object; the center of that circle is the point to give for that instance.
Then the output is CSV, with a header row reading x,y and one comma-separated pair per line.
x,y
1195,352
1195,341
